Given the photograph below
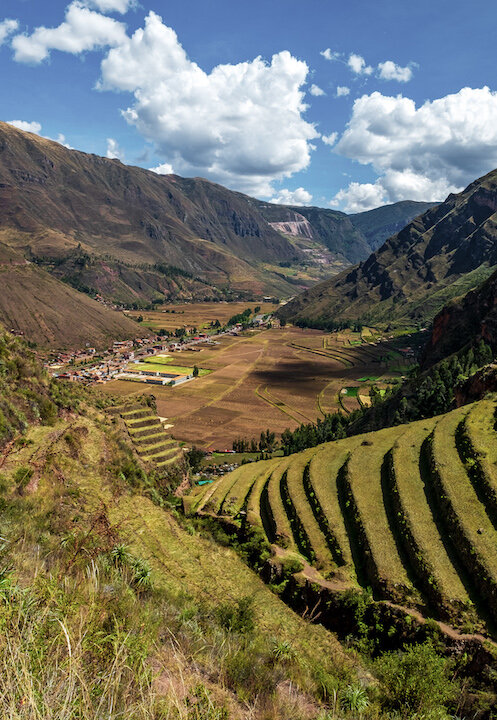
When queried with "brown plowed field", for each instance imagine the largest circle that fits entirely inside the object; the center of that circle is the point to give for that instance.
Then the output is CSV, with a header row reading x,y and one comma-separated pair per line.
x,y
258,381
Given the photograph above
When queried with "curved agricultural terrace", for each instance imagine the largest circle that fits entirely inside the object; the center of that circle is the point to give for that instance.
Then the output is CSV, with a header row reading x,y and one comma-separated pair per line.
x,y
409,511
274,378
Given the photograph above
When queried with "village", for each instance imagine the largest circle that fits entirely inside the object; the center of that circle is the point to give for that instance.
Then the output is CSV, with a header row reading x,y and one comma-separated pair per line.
x,y
146,359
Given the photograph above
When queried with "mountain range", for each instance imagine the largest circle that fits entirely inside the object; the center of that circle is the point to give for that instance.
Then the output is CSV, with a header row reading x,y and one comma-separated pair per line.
x,y
441,254
129,236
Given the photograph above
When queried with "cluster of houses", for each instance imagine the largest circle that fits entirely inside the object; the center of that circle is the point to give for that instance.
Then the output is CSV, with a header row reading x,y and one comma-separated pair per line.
x,y
89,366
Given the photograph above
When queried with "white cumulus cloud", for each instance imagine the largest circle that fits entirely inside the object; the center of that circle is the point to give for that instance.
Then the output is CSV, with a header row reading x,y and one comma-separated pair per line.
x,y
421,153
388,70
359,197
300,196
358,65
329,55
7,28
316,91
114,152
164,169
82,30
330,139
242,125
26,125
342,91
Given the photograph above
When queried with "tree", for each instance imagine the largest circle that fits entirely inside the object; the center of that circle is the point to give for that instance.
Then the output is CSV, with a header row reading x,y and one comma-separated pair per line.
x,y
195,371
195,457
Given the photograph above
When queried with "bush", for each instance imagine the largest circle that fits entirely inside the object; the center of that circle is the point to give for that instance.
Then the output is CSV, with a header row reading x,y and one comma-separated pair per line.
x,y
239,618
22,476
416,680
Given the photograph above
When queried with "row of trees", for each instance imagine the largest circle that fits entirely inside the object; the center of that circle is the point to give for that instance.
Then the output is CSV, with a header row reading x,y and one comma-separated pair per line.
x,y
325,323
267,443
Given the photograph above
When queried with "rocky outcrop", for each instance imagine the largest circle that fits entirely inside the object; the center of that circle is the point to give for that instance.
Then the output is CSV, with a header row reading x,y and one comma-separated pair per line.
x,y
464,322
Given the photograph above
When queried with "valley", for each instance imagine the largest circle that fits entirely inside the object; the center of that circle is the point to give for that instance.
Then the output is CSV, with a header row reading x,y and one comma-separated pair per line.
x,y
273,378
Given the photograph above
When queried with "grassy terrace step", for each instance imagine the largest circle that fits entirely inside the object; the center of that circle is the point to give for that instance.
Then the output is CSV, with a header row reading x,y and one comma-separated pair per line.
x,y
148,450
237,496
468,524
362,484
477,438
275,508
135,414
136,434
215,499
161,455
306,521
322,481
154,439
417,528
254,499
176,458
149,422
199,496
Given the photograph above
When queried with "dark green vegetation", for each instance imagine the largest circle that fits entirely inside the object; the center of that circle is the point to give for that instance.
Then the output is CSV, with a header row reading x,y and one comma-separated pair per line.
x,y
445,252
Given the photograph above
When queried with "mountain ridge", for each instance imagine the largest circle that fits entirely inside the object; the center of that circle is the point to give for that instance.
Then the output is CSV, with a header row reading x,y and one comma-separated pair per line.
x,y
443,253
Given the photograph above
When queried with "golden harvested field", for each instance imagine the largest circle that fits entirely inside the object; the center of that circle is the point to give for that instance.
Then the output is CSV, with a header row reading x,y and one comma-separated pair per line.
x,y
174,315
276,378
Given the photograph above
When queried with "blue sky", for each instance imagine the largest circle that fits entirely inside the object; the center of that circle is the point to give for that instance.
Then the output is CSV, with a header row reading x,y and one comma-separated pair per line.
x,y
344,105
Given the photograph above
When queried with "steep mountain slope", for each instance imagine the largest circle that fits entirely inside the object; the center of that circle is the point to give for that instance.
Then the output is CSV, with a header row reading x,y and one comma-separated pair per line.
x,y
379,224
52,314
441,254
330,228
54,201
112,603
463,322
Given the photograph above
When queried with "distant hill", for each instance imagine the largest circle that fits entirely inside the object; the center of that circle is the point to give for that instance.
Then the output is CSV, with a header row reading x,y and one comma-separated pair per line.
x,y
445,252
53,314
56,202
379,224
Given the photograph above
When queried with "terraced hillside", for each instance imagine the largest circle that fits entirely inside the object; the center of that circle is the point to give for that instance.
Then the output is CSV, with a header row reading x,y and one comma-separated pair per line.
x,y
150,440
409,511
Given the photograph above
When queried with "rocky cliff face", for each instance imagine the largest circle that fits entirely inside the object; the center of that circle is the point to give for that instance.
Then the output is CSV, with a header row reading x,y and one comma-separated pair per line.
x,y
464,321
439,255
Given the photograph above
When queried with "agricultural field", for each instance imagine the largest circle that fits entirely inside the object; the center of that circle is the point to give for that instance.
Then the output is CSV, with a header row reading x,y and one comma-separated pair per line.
x,y
275,378
409,511
199,315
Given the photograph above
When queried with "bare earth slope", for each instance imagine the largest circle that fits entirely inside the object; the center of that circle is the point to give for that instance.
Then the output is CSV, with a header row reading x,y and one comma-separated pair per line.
x,y
55,315
441,254
54,200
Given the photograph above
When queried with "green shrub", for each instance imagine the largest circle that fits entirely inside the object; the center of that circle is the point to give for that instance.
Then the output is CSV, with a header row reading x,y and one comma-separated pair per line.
x,y
240,617
22,476
416,680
